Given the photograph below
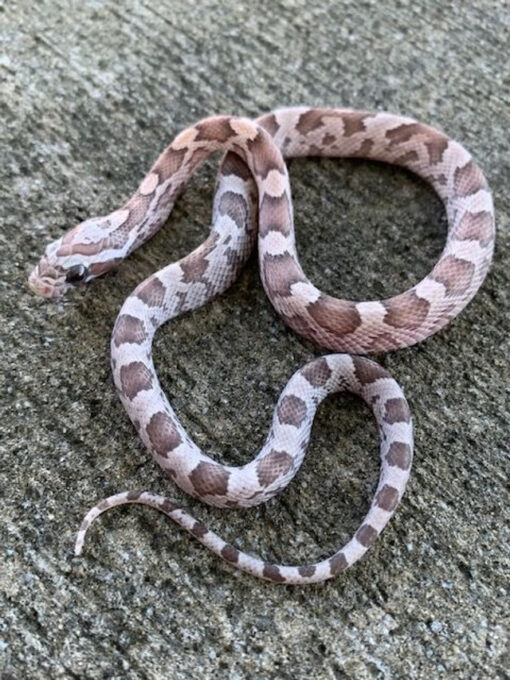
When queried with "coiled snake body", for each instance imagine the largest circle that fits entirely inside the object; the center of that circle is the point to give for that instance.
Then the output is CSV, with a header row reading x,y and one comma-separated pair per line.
x,y
253,199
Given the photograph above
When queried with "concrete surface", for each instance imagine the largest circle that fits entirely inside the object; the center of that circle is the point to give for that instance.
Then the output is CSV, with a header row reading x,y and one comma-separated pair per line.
x,y
91,93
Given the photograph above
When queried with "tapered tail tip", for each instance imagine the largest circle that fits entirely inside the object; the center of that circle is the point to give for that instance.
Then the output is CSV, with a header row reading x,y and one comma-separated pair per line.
x,y
78,546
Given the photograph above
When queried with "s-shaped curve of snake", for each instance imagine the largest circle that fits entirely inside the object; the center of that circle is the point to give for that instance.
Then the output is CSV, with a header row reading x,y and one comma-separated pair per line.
x,y
254,169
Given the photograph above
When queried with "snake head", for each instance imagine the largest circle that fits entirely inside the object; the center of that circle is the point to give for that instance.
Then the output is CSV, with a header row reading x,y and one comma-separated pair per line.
x,y
82,254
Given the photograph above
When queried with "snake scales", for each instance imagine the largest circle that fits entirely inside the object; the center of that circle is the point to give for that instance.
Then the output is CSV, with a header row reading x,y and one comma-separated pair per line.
x,y
253,200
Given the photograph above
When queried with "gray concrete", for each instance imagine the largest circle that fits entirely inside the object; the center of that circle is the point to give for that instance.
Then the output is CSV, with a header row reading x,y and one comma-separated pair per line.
x,y
91,92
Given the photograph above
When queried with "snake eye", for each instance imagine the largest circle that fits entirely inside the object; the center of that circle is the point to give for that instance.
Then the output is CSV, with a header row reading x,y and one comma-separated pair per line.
x,y
76,273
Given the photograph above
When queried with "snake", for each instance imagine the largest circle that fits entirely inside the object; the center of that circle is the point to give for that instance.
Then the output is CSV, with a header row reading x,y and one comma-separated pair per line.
x,y
253,202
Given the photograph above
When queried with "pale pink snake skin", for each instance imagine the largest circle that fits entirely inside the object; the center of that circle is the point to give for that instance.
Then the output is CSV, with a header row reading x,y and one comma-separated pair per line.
x,y
253,174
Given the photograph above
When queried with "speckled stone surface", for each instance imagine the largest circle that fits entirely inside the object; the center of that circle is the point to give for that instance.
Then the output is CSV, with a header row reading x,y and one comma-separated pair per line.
x,y
91,93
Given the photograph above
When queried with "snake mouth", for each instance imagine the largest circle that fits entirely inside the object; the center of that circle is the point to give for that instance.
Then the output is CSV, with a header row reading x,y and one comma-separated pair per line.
x,y
44,285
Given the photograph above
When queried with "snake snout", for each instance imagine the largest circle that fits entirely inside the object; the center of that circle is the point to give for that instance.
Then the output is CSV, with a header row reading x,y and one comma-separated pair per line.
x,y
43,285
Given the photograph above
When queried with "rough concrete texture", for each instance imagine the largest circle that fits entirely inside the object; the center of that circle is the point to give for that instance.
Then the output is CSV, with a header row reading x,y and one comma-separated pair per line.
x,y
91,93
